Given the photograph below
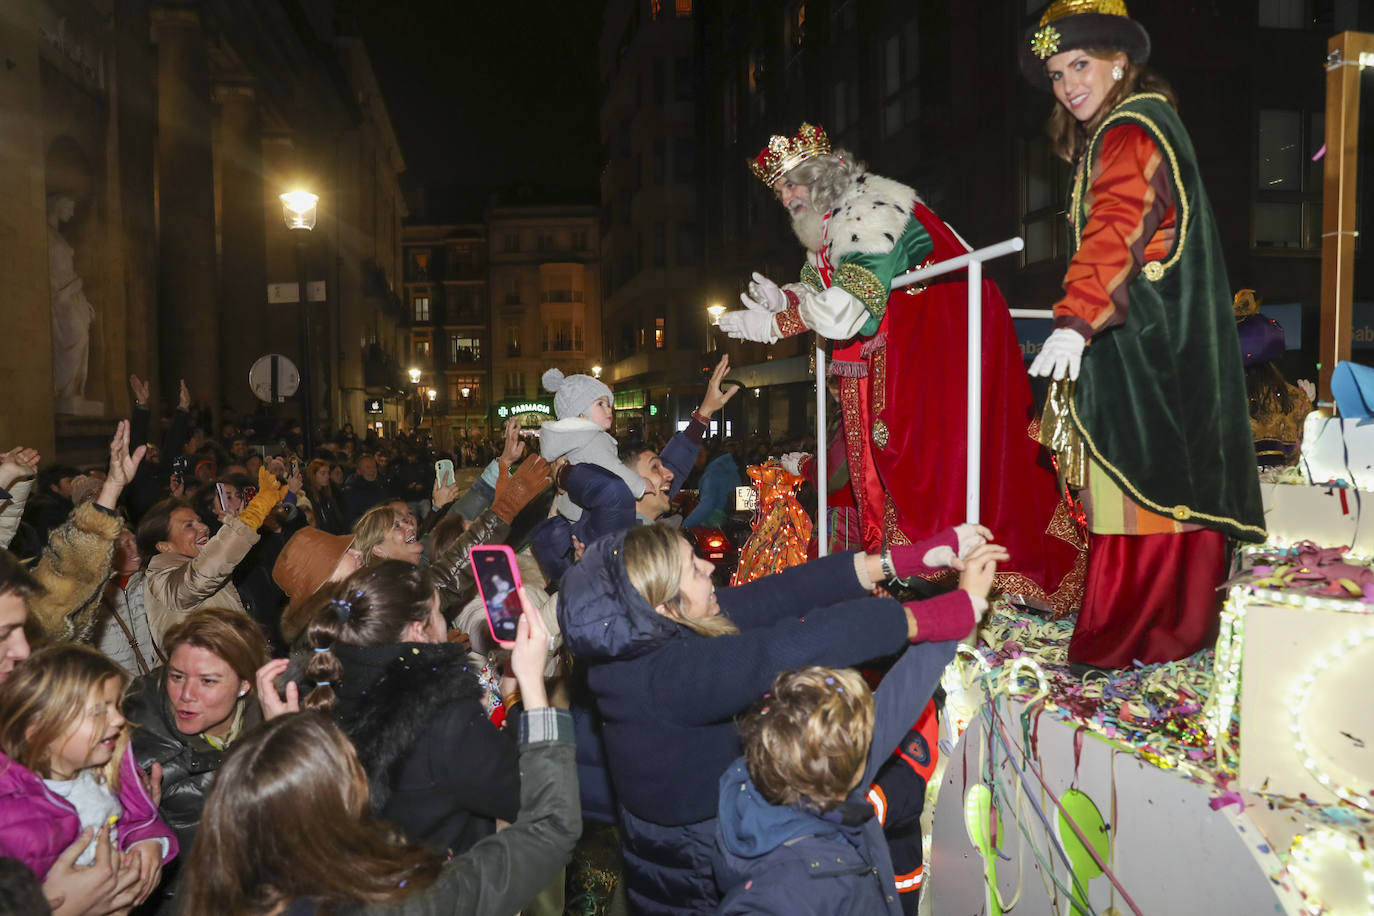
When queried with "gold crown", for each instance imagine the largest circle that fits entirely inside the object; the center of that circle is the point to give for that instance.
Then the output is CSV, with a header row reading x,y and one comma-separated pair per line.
x,y
783,154
1045,41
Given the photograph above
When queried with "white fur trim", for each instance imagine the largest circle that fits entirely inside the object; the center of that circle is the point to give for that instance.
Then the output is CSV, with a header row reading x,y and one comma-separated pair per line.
x,y
869,218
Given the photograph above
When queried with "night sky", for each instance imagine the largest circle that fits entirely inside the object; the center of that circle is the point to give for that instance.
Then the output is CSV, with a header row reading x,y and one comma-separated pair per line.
x,y
488,96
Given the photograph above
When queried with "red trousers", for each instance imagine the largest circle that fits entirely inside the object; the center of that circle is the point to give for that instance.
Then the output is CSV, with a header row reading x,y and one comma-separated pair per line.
x,y
1149,597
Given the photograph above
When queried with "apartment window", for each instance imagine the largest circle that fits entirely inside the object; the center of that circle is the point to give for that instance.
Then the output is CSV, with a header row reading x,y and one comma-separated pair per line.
x,y
464,350
898,60
419,265
682,8
684,160
465,304
419,307
1288,184
511,242
421,346
579,240
660,333
562,335
513,292
515,384
512,340
1044,181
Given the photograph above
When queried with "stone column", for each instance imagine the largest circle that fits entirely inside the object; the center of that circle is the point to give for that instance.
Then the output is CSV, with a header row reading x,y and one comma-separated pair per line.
x,y
188,344
244,325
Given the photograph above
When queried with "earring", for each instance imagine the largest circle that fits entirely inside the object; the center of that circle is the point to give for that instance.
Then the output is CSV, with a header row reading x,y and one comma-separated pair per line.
x,y
243,693
1118,73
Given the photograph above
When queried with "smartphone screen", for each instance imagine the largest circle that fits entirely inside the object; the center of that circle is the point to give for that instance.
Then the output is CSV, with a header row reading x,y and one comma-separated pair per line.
x,y
223,499
497,581
443,471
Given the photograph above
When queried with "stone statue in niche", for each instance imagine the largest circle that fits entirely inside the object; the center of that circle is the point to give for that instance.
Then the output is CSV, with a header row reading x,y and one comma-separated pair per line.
x,y
72,316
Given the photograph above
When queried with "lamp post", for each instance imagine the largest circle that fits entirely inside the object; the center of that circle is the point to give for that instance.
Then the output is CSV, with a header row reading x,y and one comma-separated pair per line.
x,y
415,380
596,372
714,310
430,395
298,210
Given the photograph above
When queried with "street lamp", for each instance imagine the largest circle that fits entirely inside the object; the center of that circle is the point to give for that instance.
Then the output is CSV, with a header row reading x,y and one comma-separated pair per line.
x,y
414,376
465,391
714,310
298,211
596,372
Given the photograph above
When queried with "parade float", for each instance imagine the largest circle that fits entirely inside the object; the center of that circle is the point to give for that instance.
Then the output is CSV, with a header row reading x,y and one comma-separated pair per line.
x,y
1239,780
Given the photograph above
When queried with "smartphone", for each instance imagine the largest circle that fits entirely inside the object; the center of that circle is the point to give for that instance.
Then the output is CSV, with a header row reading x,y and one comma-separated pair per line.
x,y
180,465
443,471
295,466
498,581
223,498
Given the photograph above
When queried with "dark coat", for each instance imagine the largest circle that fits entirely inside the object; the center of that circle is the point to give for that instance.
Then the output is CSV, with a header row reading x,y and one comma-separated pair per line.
x,y
188,762
667,696
786,860
359,495
436,767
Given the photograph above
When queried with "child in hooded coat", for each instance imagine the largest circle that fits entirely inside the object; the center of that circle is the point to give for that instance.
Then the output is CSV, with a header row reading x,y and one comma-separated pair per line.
x,y
584,408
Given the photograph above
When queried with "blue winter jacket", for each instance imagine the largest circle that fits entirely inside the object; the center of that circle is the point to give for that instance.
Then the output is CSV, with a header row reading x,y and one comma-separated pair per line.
x,y
780,859
607,503
667,696
718,482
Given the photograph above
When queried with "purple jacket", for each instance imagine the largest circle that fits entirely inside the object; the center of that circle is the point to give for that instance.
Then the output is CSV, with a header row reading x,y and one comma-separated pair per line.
x,y
36,824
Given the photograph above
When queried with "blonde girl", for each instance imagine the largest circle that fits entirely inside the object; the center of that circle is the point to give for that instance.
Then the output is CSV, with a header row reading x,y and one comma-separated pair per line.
x,y
65,765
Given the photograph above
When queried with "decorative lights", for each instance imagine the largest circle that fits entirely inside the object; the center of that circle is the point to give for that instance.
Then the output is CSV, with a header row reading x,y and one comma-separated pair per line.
x,y
1328,868
1296,721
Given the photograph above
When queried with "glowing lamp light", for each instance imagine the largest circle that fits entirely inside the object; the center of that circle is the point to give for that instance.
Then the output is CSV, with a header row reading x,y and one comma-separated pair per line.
x,y
431,394
465,390
596,372
715,311
415,376
298,209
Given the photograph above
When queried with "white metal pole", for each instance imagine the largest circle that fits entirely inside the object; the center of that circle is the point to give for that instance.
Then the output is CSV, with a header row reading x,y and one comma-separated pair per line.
x,y
1010,246
822,450
975,391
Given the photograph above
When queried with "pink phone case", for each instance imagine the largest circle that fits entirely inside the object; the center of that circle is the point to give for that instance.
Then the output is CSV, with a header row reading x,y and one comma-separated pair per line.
x,y
498,583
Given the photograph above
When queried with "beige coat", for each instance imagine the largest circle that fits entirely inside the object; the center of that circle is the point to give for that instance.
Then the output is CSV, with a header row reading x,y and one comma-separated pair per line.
x,y
176,585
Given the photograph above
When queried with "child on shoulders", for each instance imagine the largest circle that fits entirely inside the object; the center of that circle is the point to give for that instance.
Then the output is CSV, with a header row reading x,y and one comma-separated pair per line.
x,y
581,434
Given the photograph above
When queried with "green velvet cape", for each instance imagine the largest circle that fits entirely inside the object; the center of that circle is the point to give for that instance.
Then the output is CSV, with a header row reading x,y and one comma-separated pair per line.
x,y
1160,400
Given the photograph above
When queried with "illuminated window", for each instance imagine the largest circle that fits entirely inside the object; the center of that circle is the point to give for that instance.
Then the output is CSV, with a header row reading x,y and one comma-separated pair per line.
x,y
660,336
420,307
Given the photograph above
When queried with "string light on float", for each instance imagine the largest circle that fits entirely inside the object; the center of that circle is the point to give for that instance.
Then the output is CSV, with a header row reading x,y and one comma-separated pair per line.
x,y
1297,720
1333,872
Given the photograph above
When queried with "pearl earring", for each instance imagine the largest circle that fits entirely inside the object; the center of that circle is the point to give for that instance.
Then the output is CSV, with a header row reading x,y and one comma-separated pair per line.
x,y
1118,73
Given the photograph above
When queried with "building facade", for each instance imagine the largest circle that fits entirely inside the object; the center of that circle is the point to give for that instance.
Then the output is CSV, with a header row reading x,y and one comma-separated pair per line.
x,y
545,304
172,128
448,326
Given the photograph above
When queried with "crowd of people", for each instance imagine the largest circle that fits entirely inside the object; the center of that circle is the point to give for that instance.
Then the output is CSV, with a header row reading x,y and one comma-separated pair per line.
x,y
244,679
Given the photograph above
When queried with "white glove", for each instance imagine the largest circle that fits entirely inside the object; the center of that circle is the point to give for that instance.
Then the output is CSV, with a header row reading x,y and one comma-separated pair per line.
x,y
792,462
1061,355
764,294
971,537
750,324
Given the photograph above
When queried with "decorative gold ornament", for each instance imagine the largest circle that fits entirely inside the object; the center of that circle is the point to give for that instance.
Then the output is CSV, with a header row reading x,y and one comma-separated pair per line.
x,y
1045,42
1153,270
1061,8
880,434
783,154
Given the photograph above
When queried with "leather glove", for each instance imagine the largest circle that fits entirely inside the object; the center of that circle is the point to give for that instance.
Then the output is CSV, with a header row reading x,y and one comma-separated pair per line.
x,y
764,295
750,324
514,491
1061,355
270,492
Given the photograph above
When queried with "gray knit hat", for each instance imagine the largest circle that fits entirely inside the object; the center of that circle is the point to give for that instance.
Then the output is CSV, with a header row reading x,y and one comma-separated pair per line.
x,y
573,395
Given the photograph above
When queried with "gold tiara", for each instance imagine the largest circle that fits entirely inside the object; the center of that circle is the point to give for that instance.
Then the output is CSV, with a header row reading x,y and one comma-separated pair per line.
x,y
783,154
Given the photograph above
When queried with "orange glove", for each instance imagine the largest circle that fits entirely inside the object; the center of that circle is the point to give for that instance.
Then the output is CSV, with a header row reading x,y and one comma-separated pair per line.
x,y
270,492
513,492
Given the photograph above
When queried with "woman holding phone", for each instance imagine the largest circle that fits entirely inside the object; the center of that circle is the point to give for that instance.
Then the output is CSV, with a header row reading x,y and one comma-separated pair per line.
x,y
411,703
671,661
287,828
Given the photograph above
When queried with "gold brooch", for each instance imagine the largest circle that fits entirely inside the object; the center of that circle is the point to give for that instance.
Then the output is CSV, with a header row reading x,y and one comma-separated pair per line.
x,y
1153,271
880,434
1045,42
1182,513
